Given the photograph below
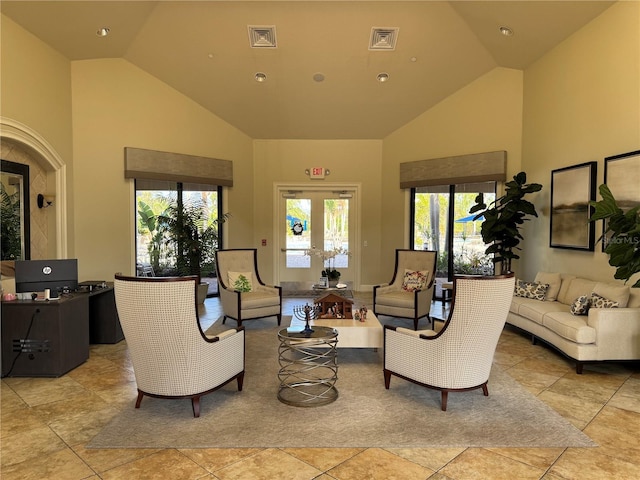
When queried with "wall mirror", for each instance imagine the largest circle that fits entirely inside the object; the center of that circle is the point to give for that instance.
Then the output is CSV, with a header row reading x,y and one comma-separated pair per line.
x,y
15,219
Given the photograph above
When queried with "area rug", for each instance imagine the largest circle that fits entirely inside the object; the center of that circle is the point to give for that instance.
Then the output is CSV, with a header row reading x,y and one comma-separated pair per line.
x,y
364,415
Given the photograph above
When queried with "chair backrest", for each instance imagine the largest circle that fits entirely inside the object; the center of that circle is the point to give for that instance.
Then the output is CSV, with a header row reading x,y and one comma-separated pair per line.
x,y
414,260
237,260
159,319
476,320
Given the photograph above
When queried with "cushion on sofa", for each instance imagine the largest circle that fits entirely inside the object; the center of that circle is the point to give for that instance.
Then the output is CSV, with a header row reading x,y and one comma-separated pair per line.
x,y
536,291
634,298
571,327
535,310
580,305
553,280
596,301
578,287
615,292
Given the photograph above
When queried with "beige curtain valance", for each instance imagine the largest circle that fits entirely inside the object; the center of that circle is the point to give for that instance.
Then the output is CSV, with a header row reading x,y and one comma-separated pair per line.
x,y
476,167
176,167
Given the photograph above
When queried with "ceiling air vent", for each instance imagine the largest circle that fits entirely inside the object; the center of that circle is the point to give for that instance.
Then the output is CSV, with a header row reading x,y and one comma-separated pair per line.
x,y
383,38
262,37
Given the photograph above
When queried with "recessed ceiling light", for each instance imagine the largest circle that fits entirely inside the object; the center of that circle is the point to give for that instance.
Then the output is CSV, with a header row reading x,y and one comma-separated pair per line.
x,y
383,77
506,31
261,77
103,32
318,77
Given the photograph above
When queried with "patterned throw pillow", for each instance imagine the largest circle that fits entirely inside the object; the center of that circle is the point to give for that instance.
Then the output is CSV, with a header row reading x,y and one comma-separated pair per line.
x,y
537,291
413,281
580,305
241,281
600,302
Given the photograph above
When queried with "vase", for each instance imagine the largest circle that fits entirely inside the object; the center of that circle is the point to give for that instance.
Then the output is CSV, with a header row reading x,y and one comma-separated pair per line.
x,y
333,283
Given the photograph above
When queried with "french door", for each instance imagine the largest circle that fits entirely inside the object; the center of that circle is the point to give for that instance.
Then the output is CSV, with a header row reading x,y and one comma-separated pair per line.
x,y
316,232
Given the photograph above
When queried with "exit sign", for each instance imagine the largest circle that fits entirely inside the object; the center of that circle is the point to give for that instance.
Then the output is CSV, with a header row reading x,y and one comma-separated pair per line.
x,y
316,172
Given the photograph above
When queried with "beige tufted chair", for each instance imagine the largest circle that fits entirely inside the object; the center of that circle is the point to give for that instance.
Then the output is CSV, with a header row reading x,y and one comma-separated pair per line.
x,y
393,300
171,355
238,268
460,356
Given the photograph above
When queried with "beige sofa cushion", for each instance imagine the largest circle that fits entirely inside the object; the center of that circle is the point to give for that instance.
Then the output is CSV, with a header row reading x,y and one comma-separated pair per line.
x,y
577,288
571,327
553,280
535,310
634,298
615,292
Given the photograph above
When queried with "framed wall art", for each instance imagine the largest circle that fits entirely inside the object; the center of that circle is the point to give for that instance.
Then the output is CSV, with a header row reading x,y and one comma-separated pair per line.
x,y
572,188
622,176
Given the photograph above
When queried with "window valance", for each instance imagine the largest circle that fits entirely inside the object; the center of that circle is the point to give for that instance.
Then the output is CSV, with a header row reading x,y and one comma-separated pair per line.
x,y
154,165
476,167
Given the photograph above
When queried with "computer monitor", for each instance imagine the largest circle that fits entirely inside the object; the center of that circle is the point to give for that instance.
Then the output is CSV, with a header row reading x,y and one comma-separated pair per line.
x,y
38,275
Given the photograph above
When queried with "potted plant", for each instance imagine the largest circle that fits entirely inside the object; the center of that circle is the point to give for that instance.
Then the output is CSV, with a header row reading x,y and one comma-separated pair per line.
x,y
623,245
328,256
194,238
503,219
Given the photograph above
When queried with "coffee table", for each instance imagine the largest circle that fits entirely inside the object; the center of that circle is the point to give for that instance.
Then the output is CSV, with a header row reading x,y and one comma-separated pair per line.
x,y
351,333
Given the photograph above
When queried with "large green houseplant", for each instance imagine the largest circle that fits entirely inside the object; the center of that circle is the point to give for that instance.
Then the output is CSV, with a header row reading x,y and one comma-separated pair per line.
x,y
192,236
503,219
621,236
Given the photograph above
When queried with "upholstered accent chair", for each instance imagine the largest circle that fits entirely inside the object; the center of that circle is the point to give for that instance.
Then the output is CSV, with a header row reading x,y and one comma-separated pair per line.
x,y
410,291
244,296
458,357
171,355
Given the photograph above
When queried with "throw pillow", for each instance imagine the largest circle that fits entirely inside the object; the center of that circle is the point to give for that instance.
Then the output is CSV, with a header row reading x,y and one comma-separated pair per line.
x,y
580,305
554,280
537,291
241,281
600,302
413,281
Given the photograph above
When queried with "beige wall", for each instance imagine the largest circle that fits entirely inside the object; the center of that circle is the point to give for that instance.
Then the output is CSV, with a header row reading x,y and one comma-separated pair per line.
x,y
116,105
484,116
36,91
581,104
350,161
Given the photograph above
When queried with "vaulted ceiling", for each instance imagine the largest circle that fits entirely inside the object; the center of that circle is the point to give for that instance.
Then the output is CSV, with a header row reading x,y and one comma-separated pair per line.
x,y
321,75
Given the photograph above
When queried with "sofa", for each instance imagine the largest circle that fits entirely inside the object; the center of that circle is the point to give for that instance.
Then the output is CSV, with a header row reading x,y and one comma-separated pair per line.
x,y
587,320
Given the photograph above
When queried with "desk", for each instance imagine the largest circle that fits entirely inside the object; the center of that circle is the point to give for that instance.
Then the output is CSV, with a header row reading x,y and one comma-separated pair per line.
x,y
44,338
49,338
104,324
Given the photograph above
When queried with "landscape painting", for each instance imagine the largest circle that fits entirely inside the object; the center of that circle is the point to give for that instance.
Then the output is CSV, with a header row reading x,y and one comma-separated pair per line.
x,y
622,176
572,188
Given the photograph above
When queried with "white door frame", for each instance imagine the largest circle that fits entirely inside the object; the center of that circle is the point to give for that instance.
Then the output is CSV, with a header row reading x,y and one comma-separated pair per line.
x,y
355,188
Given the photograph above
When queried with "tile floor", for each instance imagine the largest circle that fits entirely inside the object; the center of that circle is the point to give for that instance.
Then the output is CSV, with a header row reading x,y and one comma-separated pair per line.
x,y
45,424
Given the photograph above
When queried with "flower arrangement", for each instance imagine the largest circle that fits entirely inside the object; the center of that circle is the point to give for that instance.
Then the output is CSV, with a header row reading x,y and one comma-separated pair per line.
x,y
328,259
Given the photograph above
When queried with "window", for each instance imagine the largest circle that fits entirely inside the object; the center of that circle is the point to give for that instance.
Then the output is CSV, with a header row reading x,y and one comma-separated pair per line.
x,y
442,222
158,204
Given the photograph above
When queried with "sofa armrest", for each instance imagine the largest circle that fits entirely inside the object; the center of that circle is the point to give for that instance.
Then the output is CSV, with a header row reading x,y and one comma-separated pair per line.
x,y
617,332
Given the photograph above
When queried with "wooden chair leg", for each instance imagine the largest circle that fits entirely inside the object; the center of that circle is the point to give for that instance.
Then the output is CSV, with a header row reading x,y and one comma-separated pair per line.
x,y
279,316
195,404
445,396
415,324
387,379
224,319
240,381
485,390
140,395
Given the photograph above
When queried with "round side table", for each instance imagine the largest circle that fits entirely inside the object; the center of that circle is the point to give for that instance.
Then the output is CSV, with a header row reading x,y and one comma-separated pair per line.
x,y
308,367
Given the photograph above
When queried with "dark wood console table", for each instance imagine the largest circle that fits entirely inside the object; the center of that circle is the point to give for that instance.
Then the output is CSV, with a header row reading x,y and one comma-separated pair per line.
x,y
44,339
50,338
